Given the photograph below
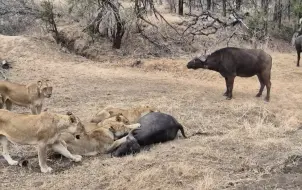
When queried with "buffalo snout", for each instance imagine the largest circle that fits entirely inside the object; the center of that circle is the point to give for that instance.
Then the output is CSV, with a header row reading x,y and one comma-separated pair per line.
x,y
131,146
191,65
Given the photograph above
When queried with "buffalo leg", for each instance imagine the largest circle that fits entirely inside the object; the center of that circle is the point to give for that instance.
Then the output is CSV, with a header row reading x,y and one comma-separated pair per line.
x,y
260,78
227,89
298,61
267,82
230,84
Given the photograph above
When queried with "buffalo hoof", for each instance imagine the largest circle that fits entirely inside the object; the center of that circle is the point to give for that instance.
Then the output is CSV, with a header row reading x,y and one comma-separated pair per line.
x,y
266,99
228,98
225,94
298,65
258,95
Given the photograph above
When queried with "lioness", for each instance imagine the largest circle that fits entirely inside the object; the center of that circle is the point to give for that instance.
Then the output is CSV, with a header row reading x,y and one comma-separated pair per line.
x,y
42,130
92,143
98,137
132,114
119,125
31,95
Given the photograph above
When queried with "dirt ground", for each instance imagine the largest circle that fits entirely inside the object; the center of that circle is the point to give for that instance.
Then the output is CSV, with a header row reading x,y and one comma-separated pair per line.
x,y
244,143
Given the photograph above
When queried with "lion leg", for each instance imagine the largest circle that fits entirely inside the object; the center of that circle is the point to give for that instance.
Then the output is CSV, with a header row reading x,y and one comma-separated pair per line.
x,y
5,152
61,149
42,156
33,109
133,126
1,101
39,109
8,104
116,144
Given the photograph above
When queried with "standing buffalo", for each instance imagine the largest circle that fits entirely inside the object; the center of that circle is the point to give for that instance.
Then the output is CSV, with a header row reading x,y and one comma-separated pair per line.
x,y
155,127
298,45
231,62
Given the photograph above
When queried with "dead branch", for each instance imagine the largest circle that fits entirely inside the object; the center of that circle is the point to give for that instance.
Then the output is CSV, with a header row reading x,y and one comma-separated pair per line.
x,y
206,24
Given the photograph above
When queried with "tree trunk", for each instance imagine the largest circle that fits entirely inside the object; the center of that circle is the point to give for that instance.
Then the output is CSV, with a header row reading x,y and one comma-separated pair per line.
x,y
276,9
238,4
120,29
181,7
288,9
213,5
264,5
224,8
209,2
280,6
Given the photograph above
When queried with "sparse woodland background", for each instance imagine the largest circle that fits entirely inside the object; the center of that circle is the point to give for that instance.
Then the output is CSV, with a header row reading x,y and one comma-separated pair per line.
x,y
154,27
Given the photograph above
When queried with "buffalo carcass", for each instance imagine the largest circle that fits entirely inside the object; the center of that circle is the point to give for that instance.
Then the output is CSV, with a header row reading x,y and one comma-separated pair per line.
x,y
231,62
155,127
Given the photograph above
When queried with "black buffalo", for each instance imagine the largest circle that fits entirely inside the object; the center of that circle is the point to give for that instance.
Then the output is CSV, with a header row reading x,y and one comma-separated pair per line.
x,y
231,62
155,127
298,45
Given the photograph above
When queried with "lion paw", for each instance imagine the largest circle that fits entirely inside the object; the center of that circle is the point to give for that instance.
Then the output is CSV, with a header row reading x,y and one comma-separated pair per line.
x,y
13,162
46,169
77,158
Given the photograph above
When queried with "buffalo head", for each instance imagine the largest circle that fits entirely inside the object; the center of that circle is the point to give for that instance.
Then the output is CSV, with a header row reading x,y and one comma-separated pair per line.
x,y
131,146
197,63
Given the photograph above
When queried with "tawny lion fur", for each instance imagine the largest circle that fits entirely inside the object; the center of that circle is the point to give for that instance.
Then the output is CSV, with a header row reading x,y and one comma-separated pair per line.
x,y
42,130
99,137
132,114
31,95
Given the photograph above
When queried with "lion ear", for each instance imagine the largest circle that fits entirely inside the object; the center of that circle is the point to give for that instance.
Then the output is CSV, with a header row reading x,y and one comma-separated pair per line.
x,y
47,81
110,112
39,83
71,117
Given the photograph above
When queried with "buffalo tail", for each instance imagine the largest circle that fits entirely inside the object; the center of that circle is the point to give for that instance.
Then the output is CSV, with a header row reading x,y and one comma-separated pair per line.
x,y
182,131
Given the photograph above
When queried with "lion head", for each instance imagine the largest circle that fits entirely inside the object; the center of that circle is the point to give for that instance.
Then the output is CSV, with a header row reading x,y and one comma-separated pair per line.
x,y
75,126
44,88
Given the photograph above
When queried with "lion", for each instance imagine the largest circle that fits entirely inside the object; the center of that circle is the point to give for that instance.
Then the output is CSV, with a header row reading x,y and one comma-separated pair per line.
x,y
42,130
132,114
95,141
31,95
99,137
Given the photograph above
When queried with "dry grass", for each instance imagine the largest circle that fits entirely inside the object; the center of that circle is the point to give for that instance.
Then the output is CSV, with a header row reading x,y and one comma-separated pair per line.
x,y
245,141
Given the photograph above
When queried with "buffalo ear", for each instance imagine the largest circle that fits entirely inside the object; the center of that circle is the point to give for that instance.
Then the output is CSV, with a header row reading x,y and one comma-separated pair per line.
x,y
203,58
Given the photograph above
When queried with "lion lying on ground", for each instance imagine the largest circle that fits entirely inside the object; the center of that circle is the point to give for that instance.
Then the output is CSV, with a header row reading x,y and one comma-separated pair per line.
x,y
99,137
42,130
132,114
31,95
